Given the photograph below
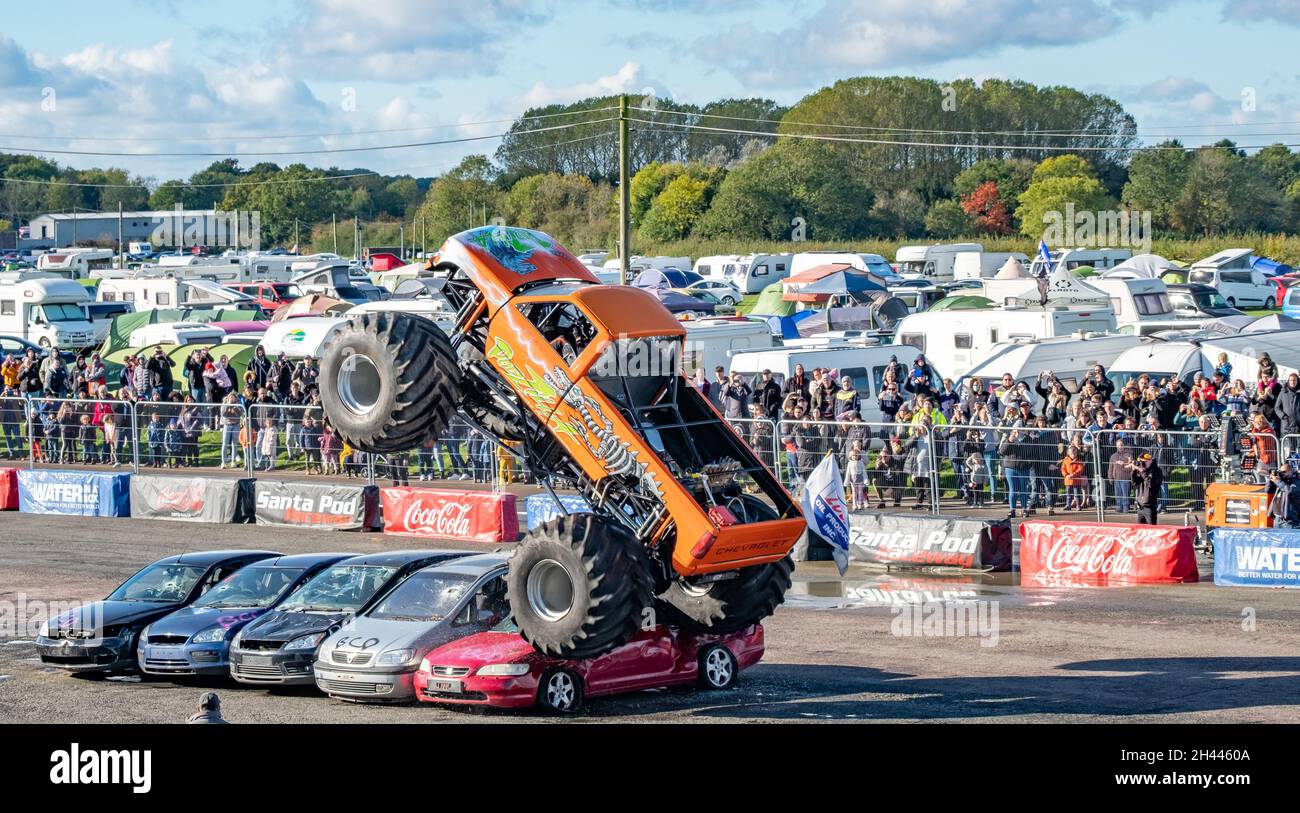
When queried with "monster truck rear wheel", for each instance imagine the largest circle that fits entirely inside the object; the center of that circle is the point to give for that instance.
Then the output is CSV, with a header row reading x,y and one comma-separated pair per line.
x,y
732,604
389,380
578,586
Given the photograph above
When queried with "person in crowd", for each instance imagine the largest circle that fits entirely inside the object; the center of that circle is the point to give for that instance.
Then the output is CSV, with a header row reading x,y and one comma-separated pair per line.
x,y
701,382
1118,472
887,474
267,438
1012,451
1073,478
760,434
767,394
976,474
86,438
797,384
329,450
1263,443
1223,367
260,367
717,386
209,712
172,444
1146,477
735,397
154,440
855,473
229,417
1284,496
1288,406
306,373
311,436
847,399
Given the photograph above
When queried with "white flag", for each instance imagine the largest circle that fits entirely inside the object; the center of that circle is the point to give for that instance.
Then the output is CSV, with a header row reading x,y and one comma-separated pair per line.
x,y
823,508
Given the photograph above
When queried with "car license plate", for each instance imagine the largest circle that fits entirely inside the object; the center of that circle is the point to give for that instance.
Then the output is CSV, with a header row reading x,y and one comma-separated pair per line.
x,y
257,660
168,653
446,686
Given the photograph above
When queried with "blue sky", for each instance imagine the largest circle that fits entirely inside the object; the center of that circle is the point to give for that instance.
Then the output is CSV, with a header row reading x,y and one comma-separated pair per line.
x,y
167,76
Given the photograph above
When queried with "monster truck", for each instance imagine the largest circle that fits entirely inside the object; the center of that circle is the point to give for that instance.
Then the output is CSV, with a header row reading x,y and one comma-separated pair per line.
x,y
583,380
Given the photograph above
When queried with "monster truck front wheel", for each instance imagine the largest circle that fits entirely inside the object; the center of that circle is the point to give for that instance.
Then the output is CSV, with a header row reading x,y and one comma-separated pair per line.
x,y
732,604
389,380
578,586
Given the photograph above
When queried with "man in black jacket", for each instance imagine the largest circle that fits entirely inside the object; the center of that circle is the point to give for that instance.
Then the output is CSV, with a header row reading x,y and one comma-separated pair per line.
x,y
1288,405
161,368
260,367
1146,478
1284,496
767,394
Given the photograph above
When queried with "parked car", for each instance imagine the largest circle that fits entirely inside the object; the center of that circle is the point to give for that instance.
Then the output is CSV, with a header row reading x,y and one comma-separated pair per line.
x,y
280,647
195,640
726,293
501,669
100,637
270,296
375,655
1190,300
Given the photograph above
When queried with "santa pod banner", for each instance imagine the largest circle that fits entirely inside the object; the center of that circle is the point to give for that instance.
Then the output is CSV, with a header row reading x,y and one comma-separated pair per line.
x,y
1106,553
475,516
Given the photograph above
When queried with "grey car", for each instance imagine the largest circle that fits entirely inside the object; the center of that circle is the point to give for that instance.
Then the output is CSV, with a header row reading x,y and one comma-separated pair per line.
x,y
374,656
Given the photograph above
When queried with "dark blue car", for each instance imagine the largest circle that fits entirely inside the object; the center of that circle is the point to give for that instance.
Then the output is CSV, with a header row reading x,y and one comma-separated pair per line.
x,y
100,637
195,640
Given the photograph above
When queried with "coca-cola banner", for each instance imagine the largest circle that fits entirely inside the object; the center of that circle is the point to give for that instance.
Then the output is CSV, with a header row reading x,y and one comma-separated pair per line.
x,y
8,489
192,499
316,505
474,516
1105,554
930,541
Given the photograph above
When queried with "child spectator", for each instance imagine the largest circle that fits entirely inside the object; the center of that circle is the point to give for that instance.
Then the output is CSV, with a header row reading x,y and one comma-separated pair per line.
x,y
154,439
86,434
329,448
266,442
172,445
1072,475
856,472
311,436
976,477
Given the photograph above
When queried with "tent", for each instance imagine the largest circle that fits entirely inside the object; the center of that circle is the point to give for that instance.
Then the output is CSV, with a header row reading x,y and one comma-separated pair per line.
x,y
771,302
963,303
1141,266
239,355
837,283
793,286
1012,269
311,305
1064,289
1272,268
119,334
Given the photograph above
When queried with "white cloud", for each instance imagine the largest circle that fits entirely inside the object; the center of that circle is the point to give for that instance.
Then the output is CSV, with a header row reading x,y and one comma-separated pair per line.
x,y
1253,11
630,78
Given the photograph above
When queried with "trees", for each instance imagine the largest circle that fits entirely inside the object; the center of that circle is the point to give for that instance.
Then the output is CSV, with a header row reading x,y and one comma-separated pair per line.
x,y
1059,182
987,210
568,207
1155,181
676,209
803,179
464,198
1223,193
946,220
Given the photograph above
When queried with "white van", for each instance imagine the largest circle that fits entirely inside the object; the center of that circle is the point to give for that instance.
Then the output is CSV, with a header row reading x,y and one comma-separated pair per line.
x,y
983,264
76,263
1142,306
1232,271
46,310
1160,360
956,341
865,364
936,263
148,294
300,336
1069,358
177,333
874,263
710,343
1101,259
715,265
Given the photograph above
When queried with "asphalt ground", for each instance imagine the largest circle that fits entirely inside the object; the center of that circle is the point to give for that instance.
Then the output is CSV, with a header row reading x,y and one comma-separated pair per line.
x,y
866,647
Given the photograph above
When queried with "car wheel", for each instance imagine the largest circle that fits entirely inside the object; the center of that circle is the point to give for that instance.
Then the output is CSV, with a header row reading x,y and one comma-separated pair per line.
x,y
560,692
1232,303
718,668
729,300
1270,303
44,342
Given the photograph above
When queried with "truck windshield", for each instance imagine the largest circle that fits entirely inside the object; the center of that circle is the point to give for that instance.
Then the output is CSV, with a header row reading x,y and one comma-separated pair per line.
x,y
1201,277
63,313
912,267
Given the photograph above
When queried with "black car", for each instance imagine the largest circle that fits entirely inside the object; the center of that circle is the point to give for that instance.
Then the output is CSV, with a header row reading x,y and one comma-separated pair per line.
x,y
101,637
279,647
1192,300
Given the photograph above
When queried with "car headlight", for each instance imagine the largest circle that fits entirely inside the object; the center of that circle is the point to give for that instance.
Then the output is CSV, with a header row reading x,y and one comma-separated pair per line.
x,y
234,642
306,641
212,635
395,657
503,670
44,631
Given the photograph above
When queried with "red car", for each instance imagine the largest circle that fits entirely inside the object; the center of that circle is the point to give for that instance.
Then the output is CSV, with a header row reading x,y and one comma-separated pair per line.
x,y
501,669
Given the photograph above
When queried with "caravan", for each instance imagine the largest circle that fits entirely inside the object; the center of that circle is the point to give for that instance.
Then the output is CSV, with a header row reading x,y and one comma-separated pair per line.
x,y
750,273
936,263
148,294
1142,306
971,265
46,311
710,343
76,263
1101,259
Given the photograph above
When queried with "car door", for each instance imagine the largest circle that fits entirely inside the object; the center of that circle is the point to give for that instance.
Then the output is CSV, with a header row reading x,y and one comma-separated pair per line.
x,y
642,662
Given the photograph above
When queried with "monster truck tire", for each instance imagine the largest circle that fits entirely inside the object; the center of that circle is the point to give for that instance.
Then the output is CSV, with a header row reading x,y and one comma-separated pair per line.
x,y
732,604
389,380
578,586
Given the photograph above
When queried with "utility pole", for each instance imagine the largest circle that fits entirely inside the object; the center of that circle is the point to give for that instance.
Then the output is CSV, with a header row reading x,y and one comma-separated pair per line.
x,y
296,248
334,226
624,201
121,247
424,246
401,232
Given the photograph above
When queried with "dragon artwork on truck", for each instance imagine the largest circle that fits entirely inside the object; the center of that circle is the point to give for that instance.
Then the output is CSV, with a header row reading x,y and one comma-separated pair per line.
x,y
583,380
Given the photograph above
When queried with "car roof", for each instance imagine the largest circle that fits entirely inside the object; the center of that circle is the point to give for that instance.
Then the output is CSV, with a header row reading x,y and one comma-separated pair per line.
x,y
398,558
475,565
212,557
305,560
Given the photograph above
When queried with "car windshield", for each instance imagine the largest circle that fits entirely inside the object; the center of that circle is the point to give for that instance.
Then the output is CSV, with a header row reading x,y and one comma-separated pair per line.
x,y
343,587
507,625
427,596
1211,300
170,582
251,587
287,290
63,313
1201,277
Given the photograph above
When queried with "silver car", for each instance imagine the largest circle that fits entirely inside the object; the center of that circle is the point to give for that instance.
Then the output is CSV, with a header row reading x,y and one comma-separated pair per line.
x,y
374,656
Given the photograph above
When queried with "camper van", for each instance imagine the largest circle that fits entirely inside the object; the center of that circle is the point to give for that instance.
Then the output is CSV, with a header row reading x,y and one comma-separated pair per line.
x,y
1160,360
148,294
637,263
936,263
956,341
874,263
76,263
436,309
1069,358
46,311
177,333
1100,259
710,343
1142,306
301,336
332,278
864,363
1232,271
101,316
750,273
983,264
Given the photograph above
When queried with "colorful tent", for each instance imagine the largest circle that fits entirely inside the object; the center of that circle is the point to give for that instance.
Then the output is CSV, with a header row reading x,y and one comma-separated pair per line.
x,y
119,335
963,303
771,302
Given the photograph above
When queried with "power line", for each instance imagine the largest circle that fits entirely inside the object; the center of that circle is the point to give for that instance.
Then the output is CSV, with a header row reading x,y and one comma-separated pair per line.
x,y
329,151
282,136
952,144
